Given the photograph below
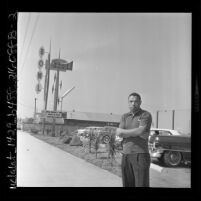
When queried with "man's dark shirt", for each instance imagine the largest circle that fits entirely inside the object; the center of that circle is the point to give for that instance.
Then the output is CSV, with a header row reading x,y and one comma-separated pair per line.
x,y
138,144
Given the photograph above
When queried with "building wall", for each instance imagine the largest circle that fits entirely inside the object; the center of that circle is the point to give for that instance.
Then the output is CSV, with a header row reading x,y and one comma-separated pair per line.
x,y
182,120
165,119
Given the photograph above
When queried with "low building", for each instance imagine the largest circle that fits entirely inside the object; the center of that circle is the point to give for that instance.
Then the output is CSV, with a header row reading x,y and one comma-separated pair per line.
x,y
75,120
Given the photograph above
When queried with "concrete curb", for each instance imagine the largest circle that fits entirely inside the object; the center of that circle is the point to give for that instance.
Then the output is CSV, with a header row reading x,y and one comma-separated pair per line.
x,y
156,167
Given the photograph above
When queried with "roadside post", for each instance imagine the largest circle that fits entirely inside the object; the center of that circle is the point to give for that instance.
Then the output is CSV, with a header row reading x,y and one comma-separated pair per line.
x,y
35,109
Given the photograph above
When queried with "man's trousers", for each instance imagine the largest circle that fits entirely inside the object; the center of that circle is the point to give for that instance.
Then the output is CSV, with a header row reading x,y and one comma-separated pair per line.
x,y
135,169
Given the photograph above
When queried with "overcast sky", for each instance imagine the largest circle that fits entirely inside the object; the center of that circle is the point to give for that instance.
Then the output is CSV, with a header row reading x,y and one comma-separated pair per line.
x,y
113,54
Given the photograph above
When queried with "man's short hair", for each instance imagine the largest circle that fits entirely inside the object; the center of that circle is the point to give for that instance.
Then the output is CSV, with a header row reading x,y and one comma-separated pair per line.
x,y
135,94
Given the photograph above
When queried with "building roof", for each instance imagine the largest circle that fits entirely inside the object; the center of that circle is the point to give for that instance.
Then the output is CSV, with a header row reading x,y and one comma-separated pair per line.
x,y
88,116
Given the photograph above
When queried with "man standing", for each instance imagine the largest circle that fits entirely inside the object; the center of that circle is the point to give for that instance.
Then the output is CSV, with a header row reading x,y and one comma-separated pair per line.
x,y
134,128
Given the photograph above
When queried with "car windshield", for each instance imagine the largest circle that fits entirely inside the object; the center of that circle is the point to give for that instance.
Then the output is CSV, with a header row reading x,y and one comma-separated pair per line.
x,y
181,133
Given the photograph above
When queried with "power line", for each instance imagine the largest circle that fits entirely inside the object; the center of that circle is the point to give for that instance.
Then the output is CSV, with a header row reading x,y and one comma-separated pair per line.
x,y
27,25
30,40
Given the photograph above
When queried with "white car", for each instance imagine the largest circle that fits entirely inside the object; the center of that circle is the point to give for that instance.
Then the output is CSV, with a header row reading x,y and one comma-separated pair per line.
x,y
105,133
85,131
164,132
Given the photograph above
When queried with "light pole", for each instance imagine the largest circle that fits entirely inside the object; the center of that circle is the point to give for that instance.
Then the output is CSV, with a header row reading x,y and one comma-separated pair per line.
x,y
35,109
65,94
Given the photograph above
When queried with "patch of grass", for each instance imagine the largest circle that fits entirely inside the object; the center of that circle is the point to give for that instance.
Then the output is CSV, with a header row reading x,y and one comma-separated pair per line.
x,y
95,156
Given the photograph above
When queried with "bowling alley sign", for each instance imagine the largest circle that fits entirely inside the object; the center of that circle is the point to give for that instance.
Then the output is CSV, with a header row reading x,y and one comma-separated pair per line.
x,y
39,74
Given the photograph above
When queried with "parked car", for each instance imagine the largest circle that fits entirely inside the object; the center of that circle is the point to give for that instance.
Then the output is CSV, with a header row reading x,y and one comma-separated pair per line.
x,y
163,132
84,132
171,148
104,133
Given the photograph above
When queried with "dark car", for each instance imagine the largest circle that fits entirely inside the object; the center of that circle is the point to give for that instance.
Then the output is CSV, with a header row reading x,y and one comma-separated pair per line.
x,y
171,150
162,132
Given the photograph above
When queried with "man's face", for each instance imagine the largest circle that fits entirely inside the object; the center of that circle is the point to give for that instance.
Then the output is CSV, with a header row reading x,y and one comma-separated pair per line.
x,y
134,103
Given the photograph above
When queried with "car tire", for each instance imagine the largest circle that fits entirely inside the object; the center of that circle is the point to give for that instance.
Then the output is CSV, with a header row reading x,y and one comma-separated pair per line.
x,y
172,158
106,139
160,160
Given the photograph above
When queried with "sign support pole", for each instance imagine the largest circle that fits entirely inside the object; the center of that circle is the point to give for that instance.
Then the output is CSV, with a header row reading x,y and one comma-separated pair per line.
x,y
58,65
46,85
55,100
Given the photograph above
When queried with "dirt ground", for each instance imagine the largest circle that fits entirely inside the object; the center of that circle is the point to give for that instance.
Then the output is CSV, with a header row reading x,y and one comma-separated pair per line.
x,y
102,160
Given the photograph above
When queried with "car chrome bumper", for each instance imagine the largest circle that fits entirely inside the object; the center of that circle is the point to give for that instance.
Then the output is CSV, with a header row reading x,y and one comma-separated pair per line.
x,y
156,154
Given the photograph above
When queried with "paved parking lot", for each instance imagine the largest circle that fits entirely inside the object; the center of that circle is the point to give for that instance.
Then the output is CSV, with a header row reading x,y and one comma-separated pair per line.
x,y
177,177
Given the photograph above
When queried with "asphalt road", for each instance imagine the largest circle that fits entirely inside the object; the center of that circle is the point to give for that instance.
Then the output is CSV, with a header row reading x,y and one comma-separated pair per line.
x,y
42,165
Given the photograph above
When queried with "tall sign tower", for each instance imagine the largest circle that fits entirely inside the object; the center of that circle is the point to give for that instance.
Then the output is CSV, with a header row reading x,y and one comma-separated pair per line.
x,y
54,65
